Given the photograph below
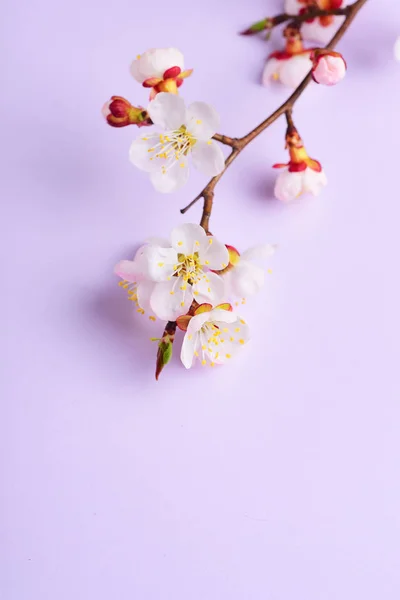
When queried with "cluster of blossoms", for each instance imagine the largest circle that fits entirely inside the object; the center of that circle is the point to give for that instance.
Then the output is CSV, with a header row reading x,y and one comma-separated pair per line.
x,y
291,64
192,281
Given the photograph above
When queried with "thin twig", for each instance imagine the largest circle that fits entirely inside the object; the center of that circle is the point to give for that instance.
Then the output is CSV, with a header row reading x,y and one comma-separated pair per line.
x,y
238,144
310,14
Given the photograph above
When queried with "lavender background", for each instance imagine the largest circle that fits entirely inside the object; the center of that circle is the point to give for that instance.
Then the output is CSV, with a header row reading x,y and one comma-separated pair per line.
x,y
271,479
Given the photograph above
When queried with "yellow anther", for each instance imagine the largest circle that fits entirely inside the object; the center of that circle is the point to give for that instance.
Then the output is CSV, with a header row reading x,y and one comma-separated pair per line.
x,y
223,265
231,339
152,318
221,340
197,243
161,264
275,76
199,122
150,150
204,347
183,287
141,311
269,271
212,364
243,322
196,293
225,330
196,353
243,300
210,241
182,304
209,142
137,56
180,243
237,329
172,292
206,262
241,341
190,336
182,165
204,362
216,355
209,290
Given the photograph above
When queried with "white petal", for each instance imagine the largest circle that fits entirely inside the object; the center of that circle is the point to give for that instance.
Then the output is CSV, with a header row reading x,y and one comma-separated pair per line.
x,y
126,269
223,316
292,7
167,110
189,346
246,279
144,290
197,322
319,33
271,71
288,185
187,238
173,178
210,289
293,70
168,301
396,49
208,158
213,253
202,121
154,63
158,262
314,181
259,252
139,153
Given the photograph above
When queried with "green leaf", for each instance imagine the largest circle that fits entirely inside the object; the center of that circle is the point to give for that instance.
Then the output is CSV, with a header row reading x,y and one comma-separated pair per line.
x,y
163,356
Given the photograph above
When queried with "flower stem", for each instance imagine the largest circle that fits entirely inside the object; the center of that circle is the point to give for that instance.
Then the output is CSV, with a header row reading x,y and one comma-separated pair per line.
x,y
238,144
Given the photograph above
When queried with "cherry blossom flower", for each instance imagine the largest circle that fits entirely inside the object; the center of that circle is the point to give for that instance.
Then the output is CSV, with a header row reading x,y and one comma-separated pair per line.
x,y
321,29
242,277
329,67
396,49
186,131
119,112
301,174
213,335
290,66
176,272
160,69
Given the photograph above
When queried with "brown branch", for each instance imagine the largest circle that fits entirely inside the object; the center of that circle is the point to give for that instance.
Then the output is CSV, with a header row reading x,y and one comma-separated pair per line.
x,y
238,144
269,23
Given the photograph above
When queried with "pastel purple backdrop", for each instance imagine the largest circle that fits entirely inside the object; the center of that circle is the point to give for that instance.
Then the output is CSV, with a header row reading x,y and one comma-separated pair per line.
x,y
274,478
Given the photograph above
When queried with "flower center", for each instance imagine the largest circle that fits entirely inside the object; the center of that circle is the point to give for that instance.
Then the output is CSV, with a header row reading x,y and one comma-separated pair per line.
x,y
171,147
189,267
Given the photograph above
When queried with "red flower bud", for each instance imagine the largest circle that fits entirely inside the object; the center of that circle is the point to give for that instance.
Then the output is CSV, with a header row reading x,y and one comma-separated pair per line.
x,y
119,113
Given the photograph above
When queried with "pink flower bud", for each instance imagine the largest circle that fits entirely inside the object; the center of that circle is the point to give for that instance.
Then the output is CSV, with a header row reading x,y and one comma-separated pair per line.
x,y
328,67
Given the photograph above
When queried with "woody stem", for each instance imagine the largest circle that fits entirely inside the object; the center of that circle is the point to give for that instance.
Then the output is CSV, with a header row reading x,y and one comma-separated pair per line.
x,y
238,144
